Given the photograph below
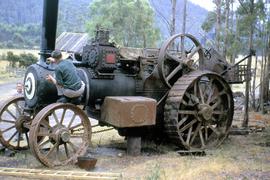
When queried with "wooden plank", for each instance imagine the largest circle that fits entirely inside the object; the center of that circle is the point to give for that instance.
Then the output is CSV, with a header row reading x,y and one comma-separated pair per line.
x,y
53,174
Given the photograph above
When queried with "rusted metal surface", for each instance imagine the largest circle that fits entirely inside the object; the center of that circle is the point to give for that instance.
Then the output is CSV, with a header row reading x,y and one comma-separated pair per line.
x,y
86,163
53,138
12,133
199,110
129,111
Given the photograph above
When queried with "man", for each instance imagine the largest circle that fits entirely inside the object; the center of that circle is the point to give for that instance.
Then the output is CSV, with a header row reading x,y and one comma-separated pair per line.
x,y
69,85
19,88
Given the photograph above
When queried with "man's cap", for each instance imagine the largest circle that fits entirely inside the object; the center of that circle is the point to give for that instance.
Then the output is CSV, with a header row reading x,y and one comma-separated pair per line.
x,y
56,54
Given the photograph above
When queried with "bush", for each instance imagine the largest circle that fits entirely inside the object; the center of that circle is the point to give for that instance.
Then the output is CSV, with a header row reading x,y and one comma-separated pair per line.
x,y
12,58
27,59
24,59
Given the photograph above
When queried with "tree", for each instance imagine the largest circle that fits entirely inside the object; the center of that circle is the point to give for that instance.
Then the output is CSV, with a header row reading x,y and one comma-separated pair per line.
x,y
12,58
227,16
172,29
131,21
218,23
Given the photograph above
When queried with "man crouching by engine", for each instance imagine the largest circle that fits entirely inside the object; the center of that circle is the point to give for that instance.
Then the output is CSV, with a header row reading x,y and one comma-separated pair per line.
x,y
68,83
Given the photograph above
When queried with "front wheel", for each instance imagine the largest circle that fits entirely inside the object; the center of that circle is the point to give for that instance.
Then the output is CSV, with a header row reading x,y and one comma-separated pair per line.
x,y
65,131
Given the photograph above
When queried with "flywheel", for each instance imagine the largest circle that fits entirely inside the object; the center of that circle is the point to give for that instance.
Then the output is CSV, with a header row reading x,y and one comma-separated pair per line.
x,y
180,53
199,110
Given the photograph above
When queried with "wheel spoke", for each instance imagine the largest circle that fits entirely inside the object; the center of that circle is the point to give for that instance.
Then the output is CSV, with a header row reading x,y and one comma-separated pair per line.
x,y
218,95
172,57
45,123
73,127
206,132
15,118
220,112
8,129
71,121
19,139
210,94
188,125
43,143
189,112
18,109
201,93
195,133
63,115
27,139
182,121
174,72
214,130
194,52
51,150
13,135
201,137
214,106
57,154
66,150
8,121
189,134
55,118
195,88
74,148
44,134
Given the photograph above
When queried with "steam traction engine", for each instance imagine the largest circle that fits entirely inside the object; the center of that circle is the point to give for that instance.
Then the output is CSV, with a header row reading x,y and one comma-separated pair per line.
x,y
166,92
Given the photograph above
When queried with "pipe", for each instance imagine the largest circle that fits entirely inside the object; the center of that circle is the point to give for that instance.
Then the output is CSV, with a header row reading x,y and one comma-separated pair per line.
x,y
49,27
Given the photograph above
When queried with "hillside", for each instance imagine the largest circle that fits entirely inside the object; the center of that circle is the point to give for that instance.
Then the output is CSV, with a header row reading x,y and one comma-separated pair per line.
x,y
20,21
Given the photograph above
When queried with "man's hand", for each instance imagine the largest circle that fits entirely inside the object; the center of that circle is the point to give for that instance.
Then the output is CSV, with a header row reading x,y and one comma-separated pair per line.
x,y
50,59
50,79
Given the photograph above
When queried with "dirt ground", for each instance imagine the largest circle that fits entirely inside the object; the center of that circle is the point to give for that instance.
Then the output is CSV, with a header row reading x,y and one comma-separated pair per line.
x,y
239,157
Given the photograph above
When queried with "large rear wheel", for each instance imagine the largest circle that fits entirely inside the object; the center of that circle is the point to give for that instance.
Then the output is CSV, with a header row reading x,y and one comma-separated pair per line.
x,y
199,110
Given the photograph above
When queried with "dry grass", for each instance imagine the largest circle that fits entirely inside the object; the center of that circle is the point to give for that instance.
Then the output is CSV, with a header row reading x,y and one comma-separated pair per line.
x,y
19,51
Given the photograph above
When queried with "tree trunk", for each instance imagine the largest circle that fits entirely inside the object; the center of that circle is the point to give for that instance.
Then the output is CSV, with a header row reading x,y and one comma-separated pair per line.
x,y
261,83
235,37
184,25
227,15
246,118
266,74
172,32
254,85
218,23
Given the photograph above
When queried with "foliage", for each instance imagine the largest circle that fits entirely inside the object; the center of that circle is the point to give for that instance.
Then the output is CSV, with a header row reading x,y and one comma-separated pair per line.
x,y
238,33
24,59
131,21
17,36
210,21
